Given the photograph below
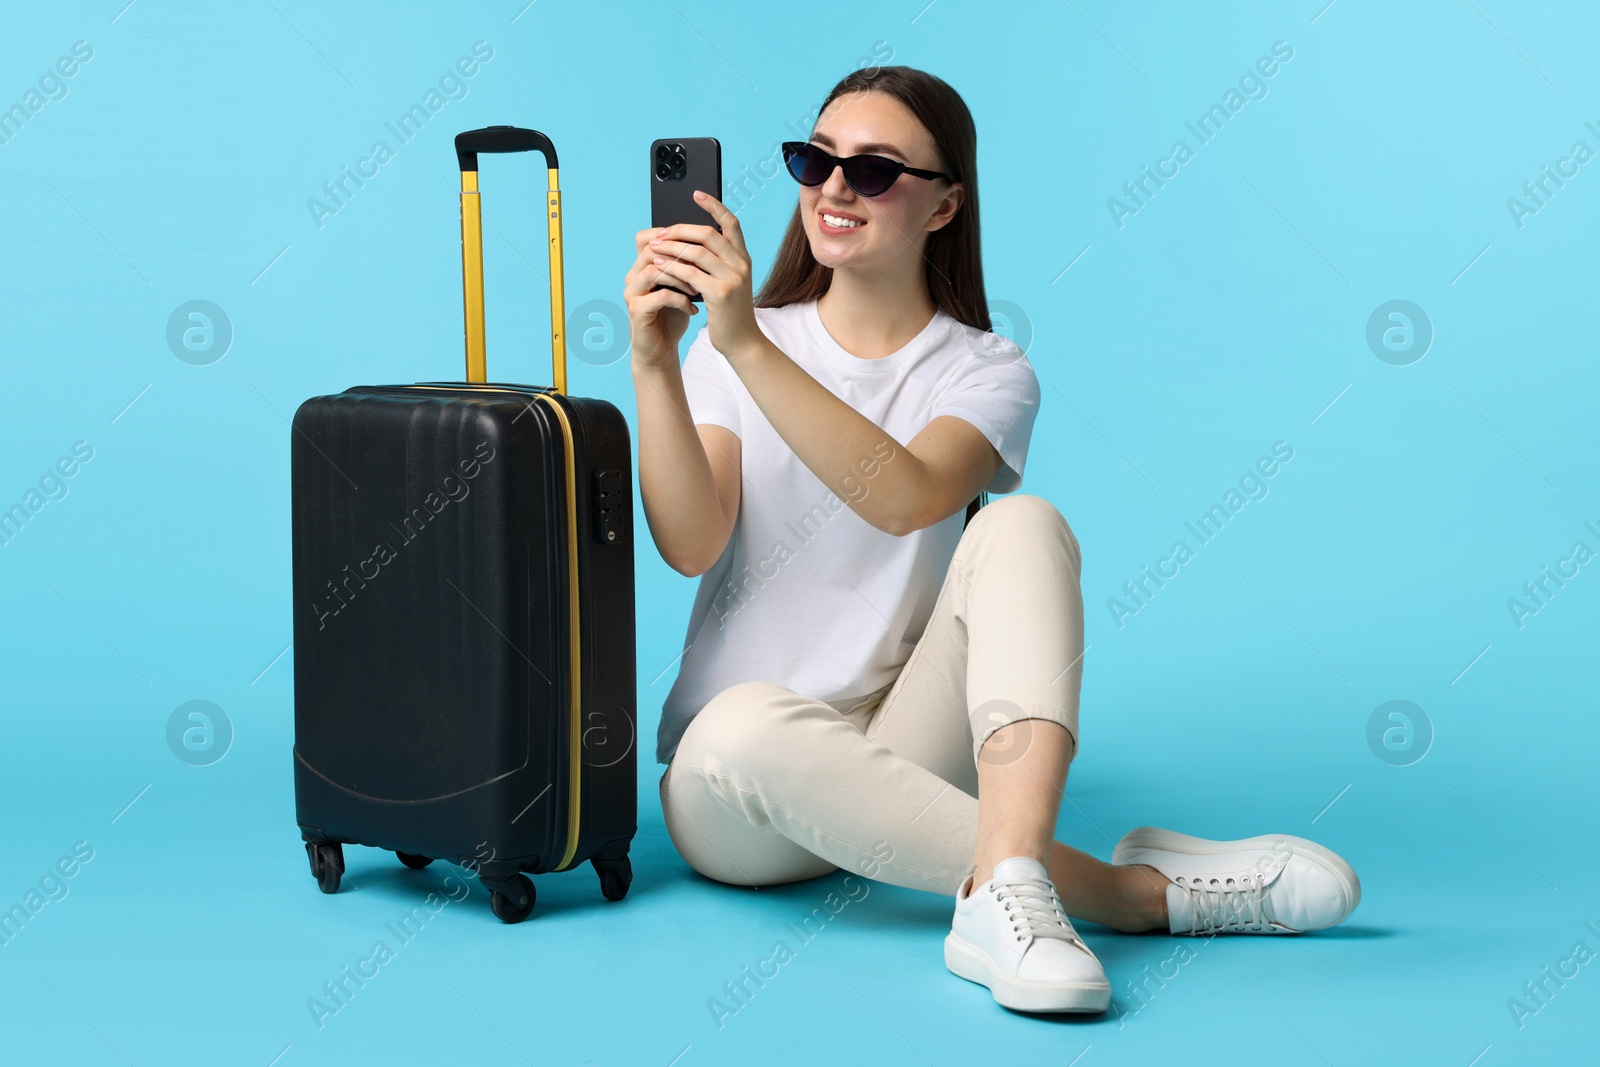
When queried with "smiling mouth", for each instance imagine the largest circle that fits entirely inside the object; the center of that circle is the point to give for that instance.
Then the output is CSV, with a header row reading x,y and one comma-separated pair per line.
x,y
839,223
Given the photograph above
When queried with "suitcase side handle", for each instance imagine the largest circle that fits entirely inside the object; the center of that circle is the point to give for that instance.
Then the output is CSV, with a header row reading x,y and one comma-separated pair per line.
x,y
506,139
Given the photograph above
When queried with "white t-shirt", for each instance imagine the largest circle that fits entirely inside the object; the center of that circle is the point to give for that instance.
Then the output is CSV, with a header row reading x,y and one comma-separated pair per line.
x,y
808,594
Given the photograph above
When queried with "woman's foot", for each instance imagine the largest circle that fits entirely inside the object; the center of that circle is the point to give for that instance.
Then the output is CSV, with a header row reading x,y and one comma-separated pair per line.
x,y
1012,935
1273,884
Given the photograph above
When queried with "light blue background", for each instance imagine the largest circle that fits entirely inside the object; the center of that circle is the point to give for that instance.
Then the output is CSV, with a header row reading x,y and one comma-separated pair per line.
x,y
1226,315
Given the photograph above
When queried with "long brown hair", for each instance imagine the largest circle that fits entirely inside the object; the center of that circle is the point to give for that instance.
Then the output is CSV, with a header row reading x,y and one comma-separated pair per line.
x,y
952,258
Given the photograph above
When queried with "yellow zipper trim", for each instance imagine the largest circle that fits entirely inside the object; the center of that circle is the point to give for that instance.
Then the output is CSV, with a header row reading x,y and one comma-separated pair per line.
x,y
575,732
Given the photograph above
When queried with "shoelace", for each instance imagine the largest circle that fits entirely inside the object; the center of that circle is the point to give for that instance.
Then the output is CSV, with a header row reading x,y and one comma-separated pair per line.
x,y
1231,904
1035,910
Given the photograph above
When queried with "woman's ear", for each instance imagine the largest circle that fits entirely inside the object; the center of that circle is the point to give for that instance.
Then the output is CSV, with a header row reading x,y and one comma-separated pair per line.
x,y
948,206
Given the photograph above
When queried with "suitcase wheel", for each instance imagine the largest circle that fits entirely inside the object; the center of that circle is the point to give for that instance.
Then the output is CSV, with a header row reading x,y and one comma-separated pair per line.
x,y
615,876
327,864
513,901
412,860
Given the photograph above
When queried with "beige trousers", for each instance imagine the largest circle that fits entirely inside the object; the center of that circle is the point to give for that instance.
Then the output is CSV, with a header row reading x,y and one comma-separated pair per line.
x,y
769,786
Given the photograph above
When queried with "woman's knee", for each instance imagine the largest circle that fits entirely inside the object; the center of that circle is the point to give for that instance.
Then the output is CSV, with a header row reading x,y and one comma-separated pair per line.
x,y
1024,517
739,724
1020,511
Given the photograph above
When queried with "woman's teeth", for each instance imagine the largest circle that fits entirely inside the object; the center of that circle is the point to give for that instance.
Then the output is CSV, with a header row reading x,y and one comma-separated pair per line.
x,y
835,220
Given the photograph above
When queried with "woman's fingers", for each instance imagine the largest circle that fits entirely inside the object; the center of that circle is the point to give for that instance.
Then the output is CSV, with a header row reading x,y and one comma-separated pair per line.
x,y
725,218
699,255
721,243
642,281
654,323
686,272
664,298
644,275
706,236
641,278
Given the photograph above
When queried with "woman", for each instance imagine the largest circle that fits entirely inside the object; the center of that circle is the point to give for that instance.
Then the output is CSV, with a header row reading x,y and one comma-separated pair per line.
x,y
870,680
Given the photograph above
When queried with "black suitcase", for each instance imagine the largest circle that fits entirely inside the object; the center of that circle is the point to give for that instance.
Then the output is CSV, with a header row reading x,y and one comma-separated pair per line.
x,y
464,678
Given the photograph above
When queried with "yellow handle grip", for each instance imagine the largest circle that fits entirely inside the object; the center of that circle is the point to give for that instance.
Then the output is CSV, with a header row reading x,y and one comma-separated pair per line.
x,y
472,279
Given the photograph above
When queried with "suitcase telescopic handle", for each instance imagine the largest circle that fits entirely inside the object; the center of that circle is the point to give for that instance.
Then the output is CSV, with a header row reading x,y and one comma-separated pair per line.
x,y
506,139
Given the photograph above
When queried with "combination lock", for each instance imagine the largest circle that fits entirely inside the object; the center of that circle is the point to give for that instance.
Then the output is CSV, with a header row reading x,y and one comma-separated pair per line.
x,y
611,508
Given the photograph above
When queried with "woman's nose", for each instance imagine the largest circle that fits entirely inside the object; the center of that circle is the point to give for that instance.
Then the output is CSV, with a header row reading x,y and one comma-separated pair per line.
x,y
836,187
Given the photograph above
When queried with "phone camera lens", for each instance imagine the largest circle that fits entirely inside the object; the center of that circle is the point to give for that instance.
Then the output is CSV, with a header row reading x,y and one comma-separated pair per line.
x,y
671,161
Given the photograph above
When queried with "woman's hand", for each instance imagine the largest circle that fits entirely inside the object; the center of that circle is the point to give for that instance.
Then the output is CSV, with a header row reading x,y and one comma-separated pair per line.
x,y
656,320
715,265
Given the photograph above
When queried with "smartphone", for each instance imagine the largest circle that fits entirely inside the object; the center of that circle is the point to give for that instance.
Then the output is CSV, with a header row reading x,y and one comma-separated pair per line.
x,y
679,166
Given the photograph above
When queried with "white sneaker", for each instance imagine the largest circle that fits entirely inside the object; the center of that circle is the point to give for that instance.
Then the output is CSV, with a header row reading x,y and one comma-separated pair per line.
x,y
1012,935
1273,884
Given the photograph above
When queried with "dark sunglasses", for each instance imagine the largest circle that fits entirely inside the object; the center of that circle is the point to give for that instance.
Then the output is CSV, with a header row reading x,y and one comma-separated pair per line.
x,y
868,175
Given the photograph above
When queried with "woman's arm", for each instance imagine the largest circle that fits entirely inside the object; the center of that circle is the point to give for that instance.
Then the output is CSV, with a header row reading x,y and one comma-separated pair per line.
x,y
688,474
896,488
